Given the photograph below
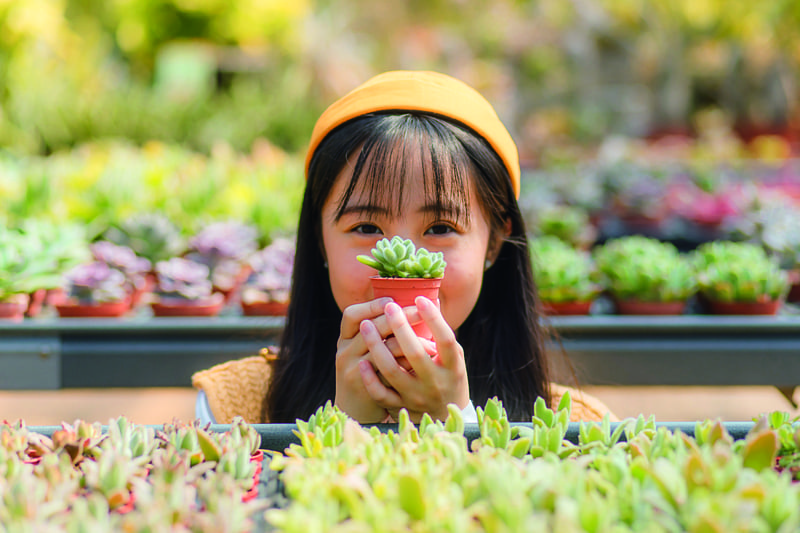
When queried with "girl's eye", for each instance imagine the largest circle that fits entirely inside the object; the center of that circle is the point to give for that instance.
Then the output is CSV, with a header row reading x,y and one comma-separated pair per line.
x,y
440,229
367,229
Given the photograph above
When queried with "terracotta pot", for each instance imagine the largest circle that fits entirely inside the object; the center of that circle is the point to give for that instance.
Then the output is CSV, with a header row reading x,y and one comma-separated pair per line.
x,y
264,308
179,307
745,308
71,309
404,290
567,308
636,307
794,290
146,288
36,302
55,296
13,308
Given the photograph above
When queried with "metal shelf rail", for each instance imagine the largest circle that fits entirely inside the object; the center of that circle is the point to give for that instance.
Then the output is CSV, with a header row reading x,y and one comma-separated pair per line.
x,y
53,353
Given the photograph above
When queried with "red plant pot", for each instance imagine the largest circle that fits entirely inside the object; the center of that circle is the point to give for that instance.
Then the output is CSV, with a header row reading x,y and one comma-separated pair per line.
x,y
14,307
567,308
745,308
179,307
69,309
264,308
148,286
794,289
55,296
404,290
35,302
636,307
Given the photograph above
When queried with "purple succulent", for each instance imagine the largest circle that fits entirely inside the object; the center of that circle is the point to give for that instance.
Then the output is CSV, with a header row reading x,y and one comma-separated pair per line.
x,y
183,278
124,259
272,272
220,241
96,282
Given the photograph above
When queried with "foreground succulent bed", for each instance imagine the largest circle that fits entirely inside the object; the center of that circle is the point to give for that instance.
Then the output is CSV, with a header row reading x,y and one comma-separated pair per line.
x,y
340,476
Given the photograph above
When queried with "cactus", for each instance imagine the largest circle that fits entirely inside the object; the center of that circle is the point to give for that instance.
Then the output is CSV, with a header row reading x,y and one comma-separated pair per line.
x,y
399,258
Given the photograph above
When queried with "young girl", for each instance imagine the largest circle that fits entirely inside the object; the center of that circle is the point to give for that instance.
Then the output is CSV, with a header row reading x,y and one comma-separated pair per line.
x,y
423,156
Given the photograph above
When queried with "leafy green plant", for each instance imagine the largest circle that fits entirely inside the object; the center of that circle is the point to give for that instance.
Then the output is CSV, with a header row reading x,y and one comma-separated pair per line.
x,y
739,272
24,265
399,258
151,235
569,223
563,274
645,269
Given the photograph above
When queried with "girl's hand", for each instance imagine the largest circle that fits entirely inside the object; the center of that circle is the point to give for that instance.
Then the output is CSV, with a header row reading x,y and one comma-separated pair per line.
x,y
435,381
351,349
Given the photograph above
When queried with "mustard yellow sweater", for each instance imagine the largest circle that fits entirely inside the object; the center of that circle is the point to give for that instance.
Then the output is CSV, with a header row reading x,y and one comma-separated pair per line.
x,y
239,387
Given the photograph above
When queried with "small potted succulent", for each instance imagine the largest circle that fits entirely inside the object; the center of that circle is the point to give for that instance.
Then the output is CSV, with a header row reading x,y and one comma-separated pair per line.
x,y
740,278
224,247
571,224
150,235
646,276
565,277
405,272
95,290
134,268
184,289
266,291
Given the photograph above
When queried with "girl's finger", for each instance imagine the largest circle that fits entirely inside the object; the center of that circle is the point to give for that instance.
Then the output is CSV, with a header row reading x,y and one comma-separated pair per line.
x,y
382,394
353,315
450,352
383,359
384,329
409,343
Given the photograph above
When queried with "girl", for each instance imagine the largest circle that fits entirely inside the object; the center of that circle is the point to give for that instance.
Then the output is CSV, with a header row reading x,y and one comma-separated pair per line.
x,y
423,156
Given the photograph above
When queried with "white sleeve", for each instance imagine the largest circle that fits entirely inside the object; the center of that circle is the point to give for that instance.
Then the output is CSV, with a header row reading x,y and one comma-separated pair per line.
x,y
469,414
202,410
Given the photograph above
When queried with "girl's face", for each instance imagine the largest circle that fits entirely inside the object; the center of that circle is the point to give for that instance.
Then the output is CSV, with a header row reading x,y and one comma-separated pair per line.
x,y
463,239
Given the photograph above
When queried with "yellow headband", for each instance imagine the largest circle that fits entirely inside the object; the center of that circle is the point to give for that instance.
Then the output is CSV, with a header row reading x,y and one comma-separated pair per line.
x,y
432,92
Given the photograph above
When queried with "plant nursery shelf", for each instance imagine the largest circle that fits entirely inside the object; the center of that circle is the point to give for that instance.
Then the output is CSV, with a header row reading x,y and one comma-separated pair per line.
x,y
608,350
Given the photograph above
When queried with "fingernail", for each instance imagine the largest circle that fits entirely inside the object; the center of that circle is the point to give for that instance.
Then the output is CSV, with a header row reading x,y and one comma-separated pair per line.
x,y
366,327
422,302
363,367
392,309
385,300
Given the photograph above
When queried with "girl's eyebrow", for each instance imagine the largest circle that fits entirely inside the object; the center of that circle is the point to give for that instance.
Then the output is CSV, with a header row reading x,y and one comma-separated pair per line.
x,y
364,208
446,209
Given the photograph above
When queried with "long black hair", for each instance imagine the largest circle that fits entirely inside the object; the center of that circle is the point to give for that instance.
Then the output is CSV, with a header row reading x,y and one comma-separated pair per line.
x,y
502,339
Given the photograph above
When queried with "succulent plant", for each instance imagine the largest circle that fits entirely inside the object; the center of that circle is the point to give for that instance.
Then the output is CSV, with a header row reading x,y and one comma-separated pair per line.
x,y
25,265
774,223
645,269
151,235
183,279
739,272
399,258
568,223
271,276
96,282
223,247
563,274
124,259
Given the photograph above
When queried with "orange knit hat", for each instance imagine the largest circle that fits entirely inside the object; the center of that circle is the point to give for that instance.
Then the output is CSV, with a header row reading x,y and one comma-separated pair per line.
x,y
432,92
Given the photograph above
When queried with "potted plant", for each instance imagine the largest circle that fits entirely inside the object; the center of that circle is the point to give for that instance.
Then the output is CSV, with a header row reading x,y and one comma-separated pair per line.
x,y
740,278
183,288
95,290
266,291
405,272
224,247
135,269
646,276
150,235
569,223
565,277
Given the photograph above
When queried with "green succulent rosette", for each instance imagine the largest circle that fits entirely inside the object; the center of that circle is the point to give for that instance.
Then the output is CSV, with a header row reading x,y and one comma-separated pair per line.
x,y
399,258
563,274
739,272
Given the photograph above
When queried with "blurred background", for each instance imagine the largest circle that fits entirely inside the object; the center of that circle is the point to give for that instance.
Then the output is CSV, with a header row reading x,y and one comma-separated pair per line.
x,y
672,118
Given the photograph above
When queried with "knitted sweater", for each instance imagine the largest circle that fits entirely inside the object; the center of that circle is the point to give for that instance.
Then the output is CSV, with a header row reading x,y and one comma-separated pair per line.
x,y
239,387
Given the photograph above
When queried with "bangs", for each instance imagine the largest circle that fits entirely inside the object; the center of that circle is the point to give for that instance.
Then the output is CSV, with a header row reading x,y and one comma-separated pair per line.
x,y
409,147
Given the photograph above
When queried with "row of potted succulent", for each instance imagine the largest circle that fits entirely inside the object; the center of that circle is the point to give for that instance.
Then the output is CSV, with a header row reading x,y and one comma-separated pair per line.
x,y
637,476
144,261
645,276
125,477
340,476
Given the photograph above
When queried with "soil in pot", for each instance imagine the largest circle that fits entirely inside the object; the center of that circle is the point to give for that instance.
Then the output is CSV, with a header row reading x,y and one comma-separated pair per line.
x,y
180,307
636,307
404,290
71,309
567,308
745,308
14,307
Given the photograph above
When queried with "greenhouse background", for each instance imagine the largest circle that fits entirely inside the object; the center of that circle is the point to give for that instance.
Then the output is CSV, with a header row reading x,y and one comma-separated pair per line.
x,y
676,120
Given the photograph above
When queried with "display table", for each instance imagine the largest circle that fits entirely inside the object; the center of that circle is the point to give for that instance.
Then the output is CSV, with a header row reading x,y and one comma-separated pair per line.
x,y
53,353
